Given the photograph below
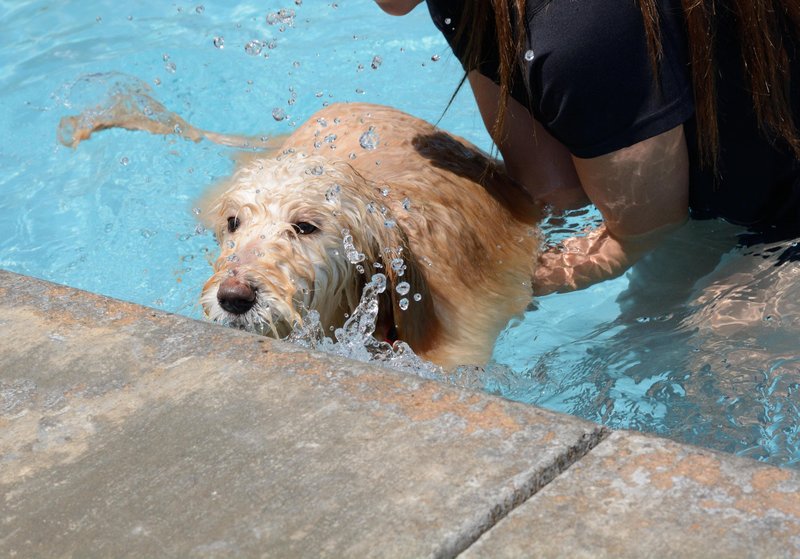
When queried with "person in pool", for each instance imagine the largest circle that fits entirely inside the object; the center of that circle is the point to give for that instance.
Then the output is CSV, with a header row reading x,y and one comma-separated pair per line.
x,y
652,112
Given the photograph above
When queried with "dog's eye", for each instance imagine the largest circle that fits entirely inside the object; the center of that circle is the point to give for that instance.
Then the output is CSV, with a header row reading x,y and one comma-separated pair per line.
x,y
304,228
233,224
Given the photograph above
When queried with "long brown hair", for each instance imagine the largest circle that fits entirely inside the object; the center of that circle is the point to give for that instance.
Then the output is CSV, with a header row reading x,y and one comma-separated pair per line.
x,y
763,28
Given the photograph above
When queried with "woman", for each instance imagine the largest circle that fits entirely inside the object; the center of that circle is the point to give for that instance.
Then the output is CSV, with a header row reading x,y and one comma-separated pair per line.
x,y
648,111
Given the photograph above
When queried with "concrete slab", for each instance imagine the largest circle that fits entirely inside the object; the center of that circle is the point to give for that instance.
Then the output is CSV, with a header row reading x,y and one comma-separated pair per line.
x,y
639,496
128,432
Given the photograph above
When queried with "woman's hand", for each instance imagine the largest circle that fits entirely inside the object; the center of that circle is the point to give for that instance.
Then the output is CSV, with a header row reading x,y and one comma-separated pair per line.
x,y
579,262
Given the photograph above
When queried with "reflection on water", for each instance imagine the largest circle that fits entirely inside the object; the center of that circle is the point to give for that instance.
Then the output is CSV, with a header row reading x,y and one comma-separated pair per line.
x,y
699,342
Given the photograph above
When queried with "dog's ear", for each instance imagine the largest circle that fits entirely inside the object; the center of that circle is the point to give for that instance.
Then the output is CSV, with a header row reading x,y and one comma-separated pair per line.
x,y
375,232
411,302
406,310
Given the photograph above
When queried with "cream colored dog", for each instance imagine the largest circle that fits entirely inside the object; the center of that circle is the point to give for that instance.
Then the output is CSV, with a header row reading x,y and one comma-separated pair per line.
x,y
358,190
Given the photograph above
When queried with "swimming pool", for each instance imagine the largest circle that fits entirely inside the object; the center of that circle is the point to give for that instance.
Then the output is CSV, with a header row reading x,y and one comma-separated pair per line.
x,y
699,342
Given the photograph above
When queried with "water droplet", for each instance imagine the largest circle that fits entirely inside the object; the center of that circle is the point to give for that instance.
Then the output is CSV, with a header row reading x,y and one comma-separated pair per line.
x,y
389,223
385,191
417,297
333,193
316,170
359,68
296,64
200,9
379,280
447,21
352,254
124,161
330,138
406,204
170,67
322,122
351,156
278,114
197,211
435,58
284,16
403,288
369,140
529,55
360,91
231,244
354,257
253,48
403,304
376,62
397,264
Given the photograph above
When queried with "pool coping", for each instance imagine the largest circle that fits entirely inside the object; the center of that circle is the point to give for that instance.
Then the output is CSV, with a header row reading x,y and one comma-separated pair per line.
x,y
127,431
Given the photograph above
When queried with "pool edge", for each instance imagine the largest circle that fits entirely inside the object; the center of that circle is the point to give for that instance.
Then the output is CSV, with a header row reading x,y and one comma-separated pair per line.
x,y
75,331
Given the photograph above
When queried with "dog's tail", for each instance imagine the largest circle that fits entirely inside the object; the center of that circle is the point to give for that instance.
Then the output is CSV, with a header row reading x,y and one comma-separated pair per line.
x,y
130,106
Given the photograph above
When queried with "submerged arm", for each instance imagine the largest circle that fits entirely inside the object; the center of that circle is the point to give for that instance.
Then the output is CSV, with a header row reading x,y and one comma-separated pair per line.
x,y
643,194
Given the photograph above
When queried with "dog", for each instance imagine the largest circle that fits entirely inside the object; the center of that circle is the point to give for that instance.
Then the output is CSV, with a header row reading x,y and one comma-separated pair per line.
x,y
361,190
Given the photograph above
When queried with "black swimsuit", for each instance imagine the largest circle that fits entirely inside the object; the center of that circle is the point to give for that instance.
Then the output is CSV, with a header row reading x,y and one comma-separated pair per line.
x,y
589,81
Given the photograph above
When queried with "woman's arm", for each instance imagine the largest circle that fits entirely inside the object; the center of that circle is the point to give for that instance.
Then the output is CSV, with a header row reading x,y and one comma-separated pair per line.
x,y
397,7
531,155
642,191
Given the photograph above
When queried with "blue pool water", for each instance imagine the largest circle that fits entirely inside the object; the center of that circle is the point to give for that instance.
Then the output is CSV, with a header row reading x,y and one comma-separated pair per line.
x,y
699,342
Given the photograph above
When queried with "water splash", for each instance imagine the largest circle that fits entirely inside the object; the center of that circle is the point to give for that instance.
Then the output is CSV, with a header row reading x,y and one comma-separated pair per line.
x,y
355,340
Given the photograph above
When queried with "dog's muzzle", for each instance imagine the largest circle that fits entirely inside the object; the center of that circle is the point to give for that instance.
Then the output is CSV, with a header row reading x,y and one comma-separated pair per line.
x,y
236,296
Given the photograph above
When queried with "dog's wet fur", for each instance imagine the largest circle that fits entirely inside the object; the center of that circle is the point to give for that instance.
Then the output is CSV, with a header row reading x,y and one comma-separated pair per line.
x,y
466,234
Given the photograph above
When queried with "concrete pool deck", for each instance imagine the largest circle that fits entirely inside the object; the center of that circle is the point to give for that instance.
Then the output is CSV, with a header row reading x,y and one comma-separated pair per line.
x,y
129,432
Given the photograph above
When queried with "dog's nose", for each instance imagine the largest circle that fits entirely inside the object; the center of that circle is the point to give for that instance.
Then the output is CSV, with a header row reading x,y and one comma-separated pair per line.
x,y
236,296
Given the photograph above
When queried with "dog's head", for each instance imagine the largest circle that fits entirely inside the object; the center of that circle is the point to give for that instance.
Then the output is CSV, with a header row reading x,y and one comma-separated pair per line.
x,y
302,233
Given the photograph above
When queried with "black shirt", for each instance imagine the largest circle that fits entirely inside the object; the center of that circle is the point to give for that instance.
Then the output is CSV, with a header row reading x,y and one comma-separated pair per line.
x,y
587,78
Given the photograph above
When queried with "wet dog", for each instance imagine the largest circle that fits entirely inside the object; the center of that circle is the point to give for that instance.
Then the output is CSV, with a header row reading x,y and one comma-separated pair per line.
x,y
360,190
